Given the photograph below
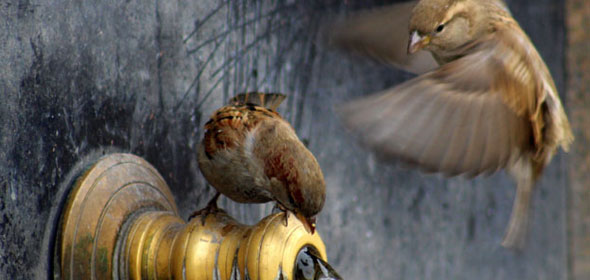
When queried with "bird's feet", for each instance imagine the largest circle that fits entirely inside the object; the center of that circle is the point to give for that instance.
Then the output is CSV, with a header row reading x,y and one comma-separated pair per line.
x,y
211,208
280,208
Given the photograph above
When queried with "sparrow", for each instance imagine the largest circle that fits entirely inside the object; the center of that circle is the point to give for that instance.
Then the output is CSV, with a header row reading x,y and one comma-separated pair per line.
x,y
250,154
484,99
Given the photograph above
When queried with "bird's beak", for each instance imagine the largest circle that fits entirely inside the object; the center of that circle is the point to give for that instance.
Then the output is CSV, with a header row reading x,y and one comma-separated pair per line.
x,y
417,42
308,223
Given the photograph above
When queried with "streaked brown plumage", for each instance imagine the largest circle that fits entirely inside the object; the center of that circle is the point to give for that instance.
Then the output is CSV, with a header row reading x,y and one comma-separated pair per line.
x,y
251,155
491,103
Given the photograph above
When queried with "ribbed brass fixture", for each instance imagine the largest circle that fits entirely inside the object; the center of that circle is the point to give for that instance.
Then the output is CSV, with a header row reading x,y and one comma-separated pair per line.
x,y
121,222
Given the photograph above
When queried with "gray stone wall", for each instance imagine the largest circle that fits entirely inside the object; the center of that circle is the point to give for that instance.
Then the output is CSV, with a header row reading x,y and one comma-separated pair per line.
x,y
79,79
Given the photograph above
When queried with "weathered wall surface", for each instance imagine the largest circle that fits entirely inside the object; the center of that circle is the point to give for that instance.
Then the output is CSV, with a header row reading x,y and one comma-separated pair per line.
x,y
84,78
578,100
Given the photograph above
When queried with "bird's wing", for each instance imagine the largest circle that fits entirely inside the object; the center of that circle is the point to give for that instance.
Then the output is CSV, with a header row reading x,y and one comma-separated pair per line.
x,y
529,90
469,116
382,34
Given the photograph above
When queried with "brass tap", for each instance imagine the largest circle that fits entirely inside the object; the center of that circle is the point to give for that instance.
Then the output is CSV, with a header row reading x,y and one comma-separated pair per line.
x,y
121,222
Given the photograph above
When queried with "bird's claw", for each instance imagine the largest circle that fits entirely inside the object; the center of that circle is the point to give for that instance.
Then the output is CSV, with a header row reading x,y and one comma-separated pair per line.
x,y
281,208
286,219
211,208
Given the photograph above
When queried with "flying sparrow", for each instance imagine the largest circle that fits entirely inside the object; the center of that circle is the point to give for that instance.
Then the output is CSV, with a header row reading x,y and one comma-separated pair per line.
x,y
252,155
490,104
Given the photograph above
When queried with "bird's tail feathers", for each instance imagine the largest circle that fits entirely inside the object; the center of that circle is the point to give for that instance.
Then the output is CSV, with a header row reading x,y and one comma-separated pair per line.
x,y
267,100
515,235
525,172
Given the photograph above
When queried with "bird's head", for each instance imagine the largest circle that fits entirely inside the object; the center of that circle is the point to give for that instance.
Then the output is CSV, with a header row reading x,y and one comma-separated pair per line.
x,y
308,222
296,180
305,199
307,204
441,26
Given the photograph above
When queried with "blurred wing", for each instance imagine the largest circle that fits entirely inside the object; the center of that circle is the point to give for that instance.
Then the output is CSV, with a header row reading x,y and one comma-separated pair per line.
x,y
460,118
382,34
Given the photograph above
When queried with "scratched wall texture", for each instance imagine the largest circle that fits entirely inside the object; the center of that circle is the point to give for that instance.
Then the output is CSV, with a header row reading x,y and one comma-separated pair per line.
x,y
82,78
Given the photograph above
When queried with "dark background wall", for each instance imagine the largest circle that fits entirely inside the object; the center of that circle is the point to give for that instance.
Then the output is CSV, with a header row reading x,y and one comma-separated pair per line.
x,y
79,79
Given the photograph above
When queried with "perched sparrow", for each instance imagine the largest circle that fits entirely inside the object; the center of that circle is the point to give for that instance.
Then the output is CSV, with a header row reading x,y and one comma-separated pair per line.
x,y
251,155
491,103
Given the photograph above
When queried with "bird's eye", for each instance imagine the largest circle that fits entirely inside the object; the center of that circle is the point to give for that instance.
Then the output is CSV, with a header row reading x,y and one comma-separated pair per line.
x,y
440,28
